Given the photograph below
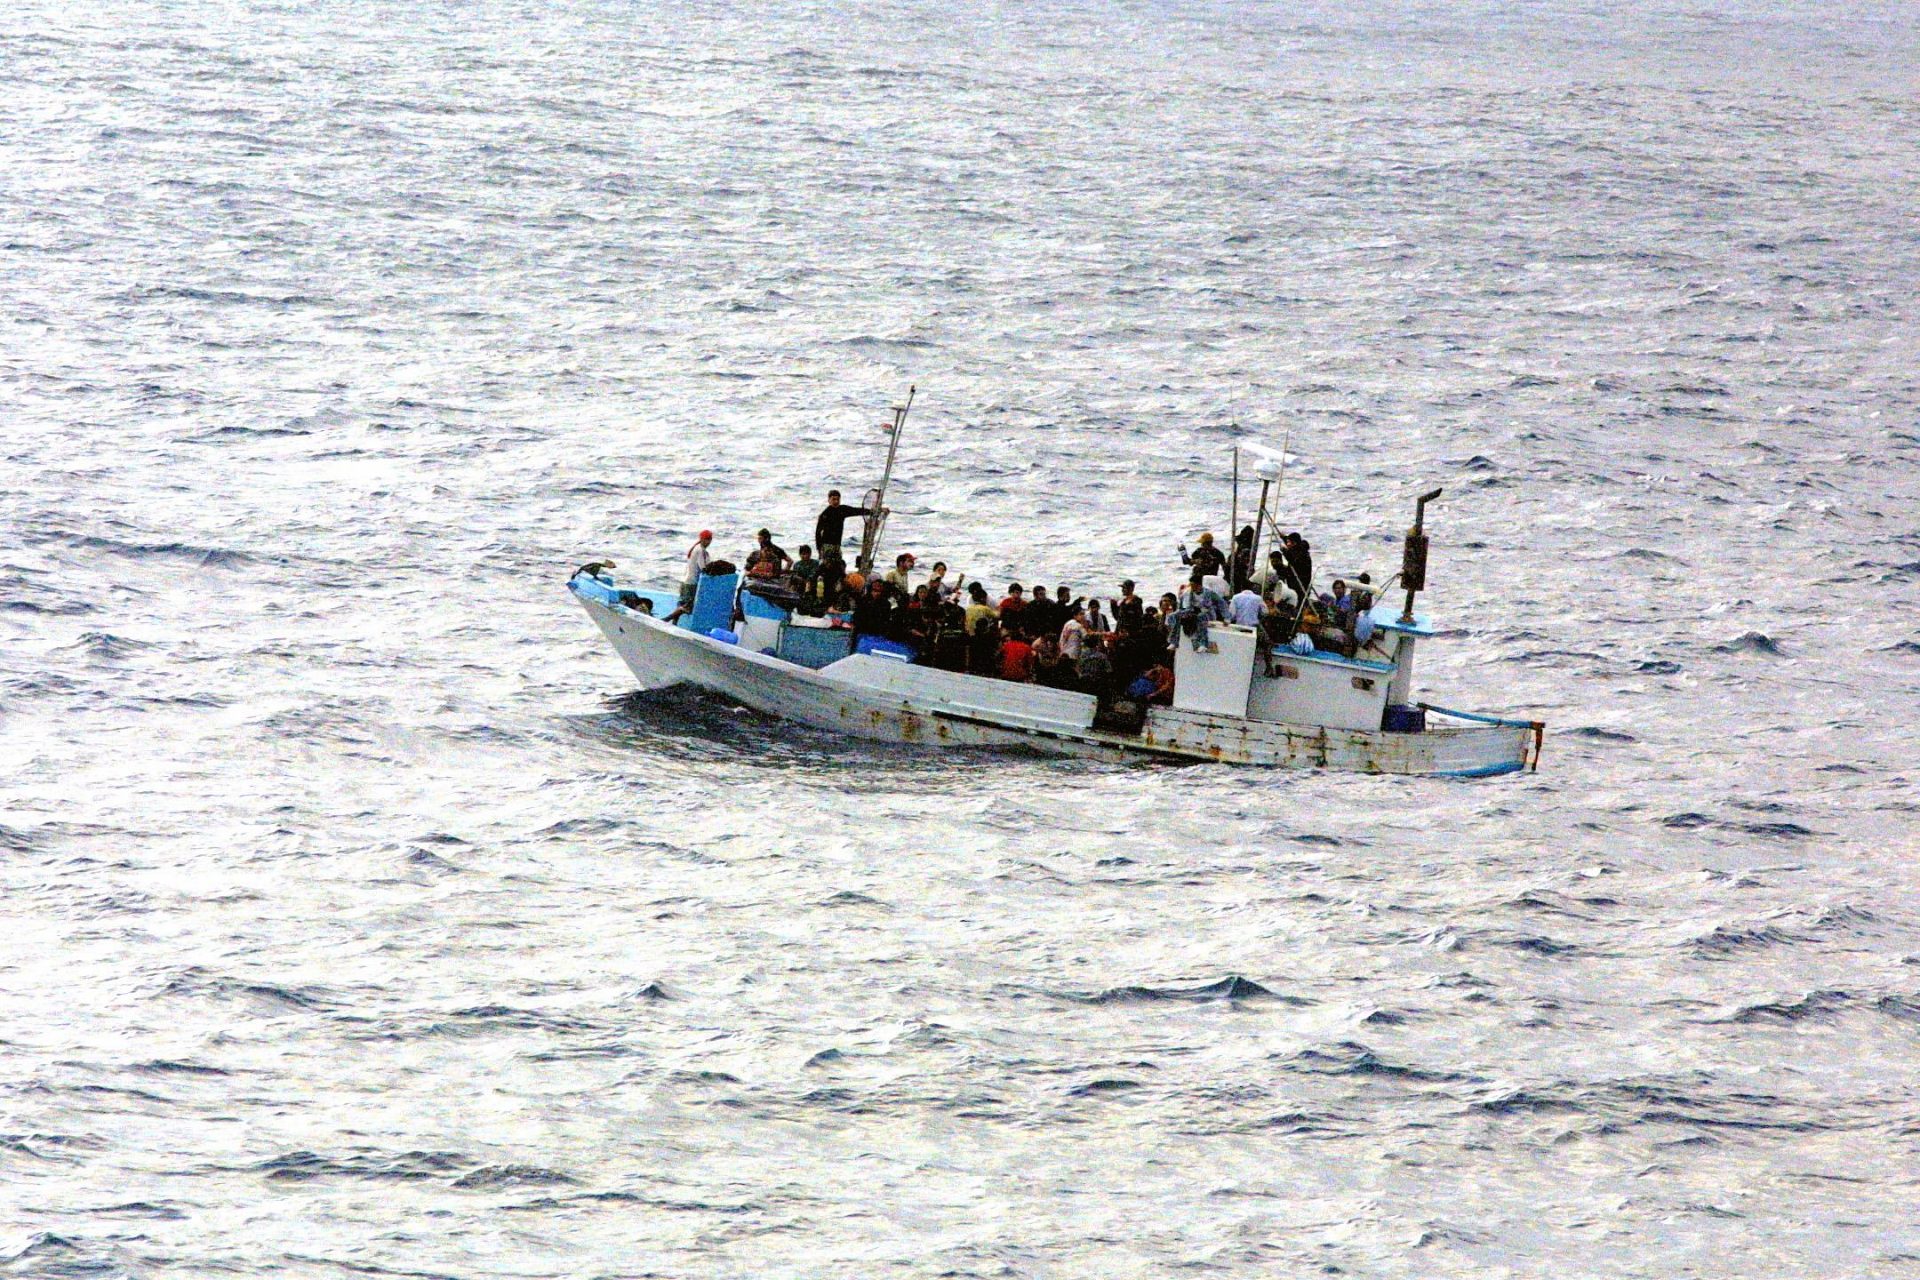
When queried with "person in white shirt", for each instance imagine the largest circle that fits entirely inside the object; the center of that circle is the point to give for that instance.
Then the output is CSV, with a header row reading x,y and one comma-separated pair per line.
x,y
1244,609
697,557
1073,637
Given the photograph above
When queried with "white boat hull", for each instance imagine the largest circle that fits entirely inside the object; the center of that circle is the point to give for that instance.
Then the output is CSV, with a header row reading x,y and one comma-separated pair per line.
x,y
853,697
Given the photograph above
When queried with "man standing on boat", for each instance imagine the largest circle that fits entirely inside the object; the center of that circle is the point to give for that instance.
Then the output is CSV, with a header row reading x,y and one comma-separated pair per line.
x,y
1206,557
828,531
697,557
1299,554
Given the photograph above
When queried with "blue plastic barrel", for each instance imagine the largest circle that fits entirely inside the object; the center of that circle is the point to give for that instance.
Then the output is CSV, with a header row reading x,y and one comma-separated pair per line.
x,y
713,602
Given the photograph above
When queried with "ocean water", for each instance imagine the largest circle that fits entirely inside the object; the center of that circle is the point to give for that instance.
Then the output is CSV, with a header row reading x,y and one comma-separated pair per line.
x,y
360,918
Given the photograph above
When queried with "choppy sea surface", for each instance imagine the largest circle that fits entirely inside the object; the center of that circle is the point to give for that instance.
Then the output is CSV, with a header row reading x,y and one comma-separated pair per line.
x,y
360,919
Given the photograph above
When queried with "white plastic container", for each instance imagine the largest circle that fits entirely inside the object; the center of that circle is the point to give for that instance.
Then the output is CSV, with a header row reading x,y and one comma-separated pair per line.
x,y
1214,682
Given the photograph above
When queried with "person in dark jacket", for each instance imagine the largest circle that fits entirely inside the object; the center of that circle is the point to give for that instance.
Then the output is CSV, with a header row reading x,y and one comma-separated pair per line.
x,y
831,526
1240,567
873,611
1299,555
828,530
1206,557
1042,616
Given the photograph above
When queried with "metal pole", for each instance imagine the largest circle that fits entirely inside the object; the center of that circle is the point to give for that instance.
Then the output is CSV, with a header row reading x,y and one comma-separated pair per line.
x,y
1233,521
1260,523
1286,443
870,540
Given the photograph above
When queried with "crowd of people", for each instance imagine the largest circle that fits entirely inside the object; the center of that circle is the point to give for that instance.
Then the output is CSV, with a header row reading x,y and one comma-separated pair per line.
x,y
1119,648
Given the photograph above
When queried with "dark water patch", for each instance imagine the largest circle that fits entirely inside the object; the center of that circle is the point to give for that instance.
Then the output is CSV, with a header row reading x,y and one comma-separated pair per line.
x,y
427,860
1820,1005
225,297
1844,918
58,608
1117,860
1527,943
1553,657
1231,988
103,647
849,898
265,996
1104,1087
490,1177
47,1254
54,1148
1350,1058
1725,939
1561,904
206,557
1687,821
1906,1008
488,1018
1756,643
581,1053
704,1077
1536,1101
121,1091
1774,830
362,1164
1894,572
1598,734
651,992
582,826
236,432
1657,667
160,1210
869,342
634,1199
697,728
1620,1106
169,1067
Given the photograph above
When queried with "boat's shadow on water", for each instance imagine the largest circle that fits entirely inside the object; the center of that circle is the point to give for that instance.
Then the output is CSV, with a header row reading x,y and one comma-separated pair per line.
x,y
689,724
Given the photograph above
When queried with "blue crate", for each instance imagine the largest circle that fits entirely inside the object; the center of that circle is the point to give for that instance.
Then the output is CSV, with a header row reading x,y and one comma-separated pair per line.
x,y
814,647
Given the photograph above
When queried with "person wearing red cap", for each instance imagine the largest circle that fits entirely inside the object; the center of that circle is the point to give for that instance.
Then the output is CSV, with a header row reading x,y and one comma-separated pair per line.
x,y
697,556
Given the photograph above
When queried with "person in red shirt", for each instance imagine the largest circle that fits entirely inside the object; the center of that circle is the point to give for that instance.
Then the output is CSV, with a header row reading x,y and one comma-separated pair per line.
x,y
1016,656
1014,601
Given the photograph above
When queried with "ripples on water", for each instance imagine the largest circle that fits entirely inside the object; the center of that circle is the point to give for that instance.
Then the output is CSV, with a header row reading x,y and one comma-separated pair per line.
x,y
361,920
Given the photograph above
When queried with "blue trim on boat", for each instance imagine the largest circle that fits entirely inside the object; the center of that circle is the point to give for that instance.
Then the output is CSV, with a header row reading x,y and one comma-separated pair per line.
x,y
1484,771
599,589
1482,719
1284,654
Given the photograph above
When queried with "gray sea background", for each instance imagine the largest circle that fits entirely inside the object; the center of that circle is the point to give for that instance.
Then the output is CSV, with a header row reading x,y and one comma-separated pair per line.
x,y
357,918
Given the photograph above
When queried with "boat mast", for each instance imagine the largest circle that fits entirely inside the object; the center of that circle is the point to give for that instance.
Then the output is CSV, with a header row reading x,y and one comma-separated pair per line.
x,y
877,497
